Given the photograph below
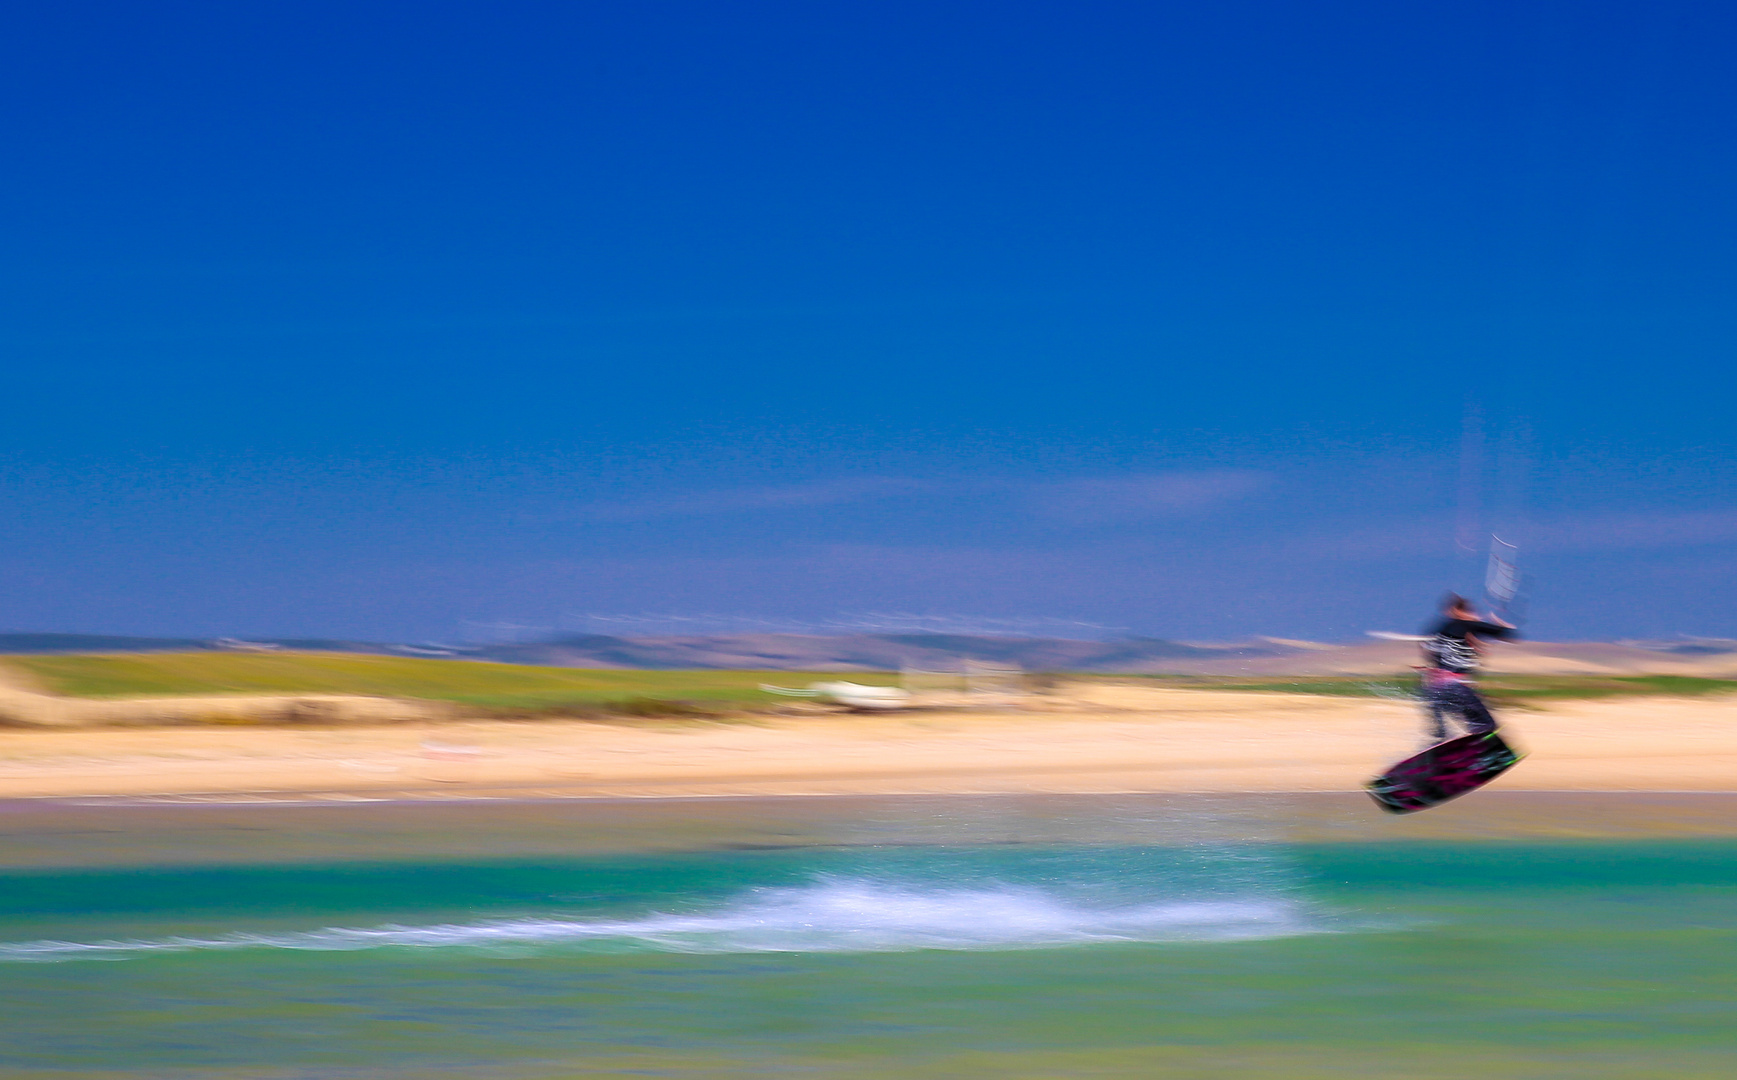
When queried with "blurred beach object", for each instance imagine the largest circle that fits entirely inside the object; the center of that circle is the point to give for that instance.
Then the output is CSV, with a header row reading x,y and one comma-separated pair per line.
x,y
849,694
237,645
971,683
967,684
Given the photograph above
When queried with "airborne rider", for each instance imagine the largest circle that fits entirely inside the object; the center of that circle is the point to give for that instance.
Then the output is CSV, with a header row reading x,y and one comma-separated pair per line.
x,y
1451,655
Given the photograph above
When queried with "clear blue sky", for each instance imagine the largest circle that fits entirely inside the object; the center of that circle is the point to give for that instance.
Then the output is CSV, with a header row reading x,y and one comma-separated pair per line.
x,y
372,318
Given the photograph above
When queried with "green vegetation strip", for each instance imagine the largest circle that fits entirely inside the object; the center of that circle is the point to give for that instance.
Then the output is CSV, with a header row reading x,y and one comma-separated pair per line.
x,y
519,688
510,687
1513,688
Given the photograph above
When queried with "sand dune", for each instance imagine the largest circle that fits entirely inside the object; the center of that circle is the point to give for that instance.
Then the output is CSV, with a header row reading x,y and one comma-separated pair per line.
x,y
24,702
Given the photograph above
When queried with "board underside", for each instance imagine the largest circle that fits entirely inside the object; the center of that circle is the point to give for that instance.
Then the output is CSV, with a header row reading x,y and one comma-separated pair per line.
x,y
1442,772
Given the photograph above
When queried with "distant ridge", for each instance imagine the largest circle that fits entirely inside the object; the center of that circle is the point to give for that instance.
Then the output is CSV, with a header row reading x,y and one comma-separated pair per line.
x,y
116,643
797,652
864,652
1262,657
79,643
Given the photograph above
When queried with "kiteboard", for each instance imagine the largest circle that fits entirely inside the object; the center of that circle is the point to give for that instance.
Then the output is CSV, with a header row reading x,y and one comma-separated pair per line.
x,y
1444,771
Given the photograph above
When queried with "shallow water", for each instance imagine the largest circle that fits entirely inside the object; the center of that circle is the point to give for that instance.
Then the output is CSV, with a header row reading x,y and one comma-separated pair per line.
x,y
987,938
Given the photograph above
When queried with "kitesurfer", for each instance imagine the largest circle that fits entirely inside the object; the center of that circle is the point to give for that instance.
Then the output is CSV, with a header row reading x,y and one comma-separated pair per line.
x,y
1451,654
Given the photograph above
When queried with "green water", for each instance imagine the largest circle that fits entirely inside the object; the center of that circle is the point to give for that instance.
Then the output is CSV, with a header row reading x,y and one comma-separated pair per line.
x,y
1215,956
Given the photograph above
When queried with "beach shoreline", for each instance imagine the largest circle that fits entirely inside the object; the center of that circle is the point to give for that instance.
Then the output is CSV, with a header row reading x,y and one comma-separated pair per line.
x,y
1102,739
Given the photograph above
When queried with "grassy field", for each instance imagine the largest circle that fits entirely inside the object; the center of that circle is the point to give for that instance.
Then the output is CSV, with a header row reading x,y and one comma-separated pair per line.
x,y
507,687
1512,689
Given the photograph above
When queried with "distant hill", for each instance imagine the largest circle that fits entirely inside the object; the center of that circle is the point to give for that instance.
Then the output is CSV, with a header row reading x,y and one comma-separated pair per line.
x,y
93,643
863,652
791,652
112,643
883,652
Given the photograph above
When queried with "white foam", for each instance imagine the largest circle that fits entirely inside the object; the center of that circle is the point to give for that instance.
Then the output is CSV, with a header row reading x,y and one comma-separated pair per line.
x,y
829,914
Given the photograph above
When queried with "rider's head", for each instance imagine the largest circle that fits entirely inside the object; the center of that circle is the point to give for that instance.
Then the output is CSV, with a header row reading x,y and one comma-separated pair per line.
x,y
1456,605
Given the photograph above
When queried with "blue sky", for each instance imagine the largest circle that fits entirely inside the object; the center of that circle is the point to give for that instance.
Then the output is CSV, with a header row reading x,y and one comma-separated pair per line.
x,y
394,320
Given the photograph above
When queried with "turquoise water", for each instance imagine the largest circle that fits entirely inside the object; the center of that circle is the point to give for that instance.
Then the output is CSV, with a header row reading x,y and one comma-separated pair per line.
x,y
919,955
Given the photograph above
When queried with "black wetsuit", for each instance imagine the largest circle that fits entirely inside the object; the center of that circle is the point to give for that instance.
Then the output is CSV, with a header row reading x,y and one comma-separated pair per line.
x,y
1452,661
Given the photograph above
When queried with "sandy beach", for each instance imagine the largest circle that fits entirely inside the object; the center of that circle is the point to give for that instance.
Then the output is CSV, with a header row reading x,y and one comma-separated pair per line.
x,y
1090,739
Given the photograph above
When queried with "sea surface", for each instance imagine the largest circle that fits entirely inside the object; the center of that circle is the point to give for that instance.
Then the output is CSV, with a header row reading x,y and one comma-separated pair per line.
x,y
962,937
